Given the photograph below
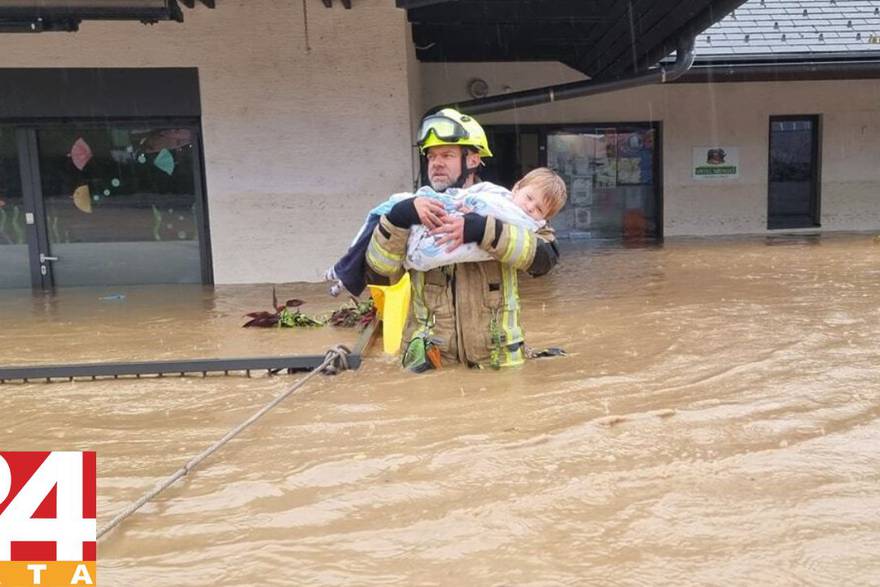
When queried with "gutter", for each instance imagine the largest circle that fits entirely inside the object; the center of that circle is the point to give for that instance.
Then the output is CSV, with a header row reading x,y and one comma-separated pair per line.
x,y
758,72
683,61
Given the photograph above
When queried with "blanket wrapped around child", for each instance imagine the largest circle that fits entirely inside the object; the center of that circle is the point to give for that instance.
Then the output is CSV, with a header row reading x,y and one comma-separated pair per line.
x,y
486,199
423,254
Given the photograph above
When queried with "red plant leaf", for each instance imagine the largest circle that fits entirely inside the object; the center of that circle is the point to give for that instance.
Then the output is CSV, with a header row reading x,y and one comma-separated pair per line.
x,y
262,321
259,314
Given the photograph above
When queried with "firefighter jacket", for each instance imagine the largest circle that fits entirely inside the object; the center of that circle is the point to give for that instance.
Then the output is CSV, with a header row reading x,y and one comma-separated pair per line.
x,y
470,310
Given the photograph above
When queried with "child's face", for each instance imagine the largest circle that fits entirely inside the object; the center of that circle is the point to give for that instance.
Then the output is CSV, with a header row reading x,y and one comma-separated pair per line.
x,y
531,201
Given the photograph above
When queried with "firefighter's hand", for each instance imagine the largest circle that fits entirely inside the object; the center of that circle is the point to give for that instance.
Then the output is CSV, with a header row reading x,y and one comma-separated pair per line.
x,y
431,212
463,208
450,232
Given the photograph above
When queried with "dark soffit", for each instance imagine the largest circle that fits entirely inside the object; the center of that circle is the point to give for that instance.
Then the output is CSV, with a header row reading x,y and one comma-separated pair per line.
x,y
66,15
603,39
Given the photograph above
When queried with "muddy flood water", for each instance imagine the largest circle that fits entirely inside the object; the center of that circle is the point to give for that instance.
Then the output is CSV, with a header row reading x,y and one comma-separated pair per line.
x,y
717,422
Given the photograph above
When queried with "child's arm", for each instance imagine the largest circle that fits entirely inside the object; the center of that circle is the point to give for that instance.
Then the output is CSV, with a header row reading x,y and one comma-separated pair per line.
x,y
387,247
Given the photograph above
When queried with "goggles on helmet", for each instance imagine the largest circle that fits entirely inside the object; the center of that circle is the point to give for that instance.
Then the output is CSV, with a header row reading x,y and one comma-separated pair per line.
x,y
444,128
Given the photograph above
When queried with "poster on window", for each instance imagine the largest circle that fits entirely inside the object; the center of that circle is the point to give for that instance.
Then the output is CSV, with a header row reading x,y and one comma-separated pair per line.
x,y
635,153
716,163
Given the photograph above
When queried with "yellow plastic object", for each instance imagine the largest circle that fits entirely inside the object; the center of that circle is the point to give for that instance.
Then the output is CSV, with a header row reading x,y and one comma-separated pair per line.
x,y
392,305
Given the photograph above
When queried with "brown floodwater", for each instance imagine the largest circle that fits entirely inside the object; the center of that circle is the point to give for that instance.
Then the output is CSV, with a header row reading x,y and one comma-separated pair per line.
x,y
717,421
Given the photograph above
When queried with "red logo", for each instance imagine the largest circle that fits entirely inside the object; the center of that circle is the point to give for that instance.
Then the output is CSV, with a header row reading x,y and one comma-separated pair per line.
x,y
48,514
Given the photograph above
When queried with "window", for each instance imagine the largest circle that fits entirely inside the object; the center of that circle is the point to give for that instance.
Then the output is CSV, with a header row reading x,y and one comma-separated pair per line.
x,y
611,172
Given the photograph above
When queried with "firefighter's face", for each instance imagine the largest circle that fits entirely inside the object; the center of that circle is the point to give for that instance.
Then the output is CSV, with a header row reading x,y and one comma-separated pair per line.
x,y
444,165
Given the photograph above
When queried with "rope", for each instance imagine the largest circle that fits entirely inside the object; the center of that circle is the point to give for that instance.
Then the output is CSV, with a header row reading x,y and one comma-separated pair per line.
x,y
338,357
335,360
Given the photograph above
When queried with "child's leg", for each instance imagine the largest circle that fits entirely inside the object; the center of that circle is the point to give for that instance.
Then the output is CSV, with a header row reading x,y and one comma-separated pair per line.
x,y
350,270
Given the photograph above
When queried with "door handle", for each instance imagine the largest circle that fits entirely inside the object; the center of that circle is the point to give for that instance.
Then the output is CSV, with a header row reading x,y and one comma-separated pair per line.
x,y
44,258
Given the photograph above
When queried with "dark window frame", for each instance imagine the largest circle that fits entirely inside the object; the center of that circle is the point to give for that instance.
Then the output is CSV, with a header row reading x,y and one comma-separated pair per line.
x,y
816,176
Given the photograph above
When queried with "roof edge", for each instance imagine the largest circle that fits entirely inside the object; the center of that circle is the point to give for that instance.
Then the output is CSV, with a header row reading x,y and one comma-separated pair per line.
x,y
816,70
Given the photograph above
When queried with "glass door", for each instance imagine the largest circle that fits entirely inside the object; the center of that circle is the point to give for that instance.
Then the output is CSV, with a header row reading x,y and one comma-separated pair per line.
x,y
793,198
122,204
14,253
610,173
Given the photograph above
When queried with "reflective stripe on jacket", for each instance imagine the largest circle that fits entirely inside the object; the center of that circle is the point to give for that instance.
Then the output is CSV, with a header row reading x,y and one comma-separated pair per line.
x,y
470,310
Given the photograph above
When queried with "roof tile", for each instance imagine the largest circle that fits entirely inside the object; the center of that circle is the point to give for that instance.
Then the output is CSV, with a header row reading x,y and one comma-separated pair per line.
x,y
781,26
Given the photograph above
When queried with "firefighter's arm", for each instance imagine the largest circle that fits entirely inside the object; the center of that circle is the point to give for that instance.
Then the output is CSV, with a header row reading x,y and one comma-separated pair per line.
x,y
535,253
387,248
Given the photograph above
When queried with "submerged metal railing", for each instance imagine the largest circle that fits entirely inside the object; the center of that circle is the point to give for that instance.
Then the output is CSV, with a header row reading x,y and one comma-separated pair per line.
x,y
93,371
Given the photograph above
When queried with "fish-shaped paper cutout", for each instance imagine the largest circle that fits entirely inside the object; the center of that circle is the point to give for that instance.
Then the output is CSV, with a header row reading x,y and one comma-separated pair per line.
x,y
80,154
165,161
167,138
82,199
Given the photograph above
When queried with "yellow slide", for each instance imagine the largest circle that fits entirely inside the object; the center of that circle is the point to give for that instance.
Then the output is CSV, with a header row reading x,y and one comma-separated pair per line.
x,y
392,306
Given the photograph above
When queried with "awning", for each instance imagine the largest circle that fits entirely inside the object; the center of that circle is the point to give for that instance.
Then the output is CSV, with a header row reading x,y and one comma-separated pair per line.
x,y
604,39
65,15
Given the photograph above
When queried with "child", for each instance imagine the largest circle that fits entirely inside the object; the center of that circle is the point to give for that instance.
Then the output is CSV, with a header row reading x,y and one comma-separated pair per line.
x,y
537,197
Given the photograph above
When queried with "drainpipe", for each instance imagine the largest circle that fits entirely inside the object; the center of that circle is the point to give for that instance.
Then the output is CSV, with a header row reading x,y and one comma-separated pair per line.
x,y
683,61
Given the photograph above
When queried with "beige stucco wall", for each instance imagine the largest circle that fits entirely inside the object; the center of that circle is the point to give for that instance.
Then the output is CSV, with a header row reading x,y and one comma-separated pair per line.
x,y
299,143
725,114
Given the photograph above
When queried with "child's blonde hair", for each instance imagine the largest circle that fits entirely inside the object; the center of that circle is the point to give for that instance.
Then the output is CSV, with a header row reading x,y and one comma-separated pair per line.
x,y
548,182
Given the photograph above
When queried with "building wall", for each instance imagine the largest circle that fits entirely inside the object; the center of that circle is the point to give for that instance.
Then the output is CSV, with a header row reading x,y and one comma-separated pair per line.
x,y
416,102
301,137
701,114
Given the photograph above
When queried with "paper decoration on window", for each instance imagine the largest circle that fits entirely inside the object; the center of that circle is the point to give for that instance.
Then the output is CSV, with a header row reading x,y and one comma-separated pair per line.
x,y
121,137
106,192
581,191
82,199
80,154
165,161
157,223
606,175
121,156
167,138
629,171
115,182
17,235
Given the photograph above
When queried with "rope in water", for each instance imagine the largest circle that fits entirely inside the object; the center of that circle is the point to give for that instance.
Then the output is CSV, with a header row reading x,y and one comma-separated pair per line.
x,y
335,361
